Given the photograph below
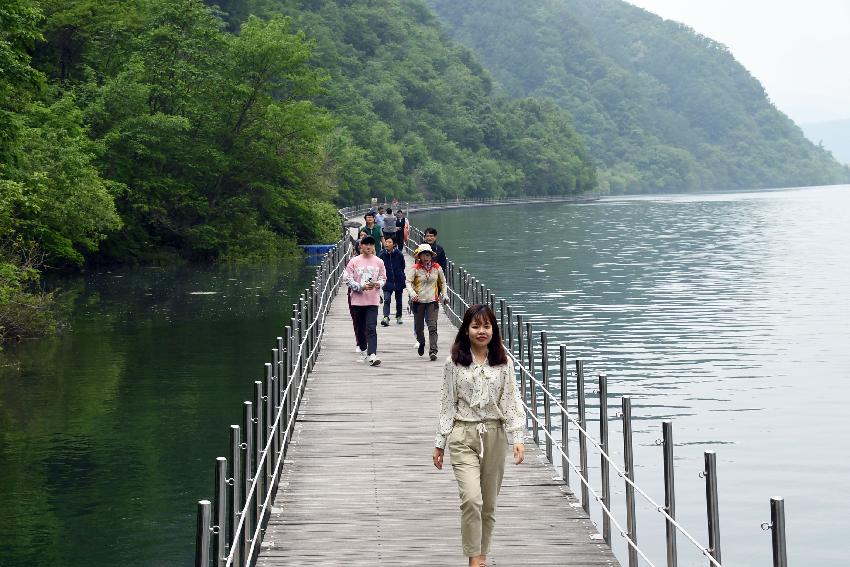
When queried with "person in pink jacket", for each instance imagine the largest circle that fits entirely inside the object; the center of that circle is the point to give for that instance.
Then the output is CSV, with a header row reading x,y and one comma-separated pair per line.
x,y
365,276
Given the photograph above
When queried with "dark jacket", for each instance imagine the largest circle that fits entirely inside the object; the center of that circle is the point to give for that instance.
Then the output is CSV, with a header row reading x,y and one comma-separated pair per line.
x,y
394,264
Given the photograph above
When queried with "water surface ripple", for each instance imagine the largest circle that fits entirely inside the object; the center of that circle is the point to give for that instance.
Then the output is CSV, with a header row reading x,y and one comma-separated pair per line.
x,y
727,313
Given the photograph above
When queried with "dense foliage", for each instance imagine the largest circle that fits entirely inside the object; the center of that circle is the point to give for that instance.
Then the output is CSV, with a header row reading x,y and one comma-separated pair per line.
x,y
154,130
150,130
660,107
419,112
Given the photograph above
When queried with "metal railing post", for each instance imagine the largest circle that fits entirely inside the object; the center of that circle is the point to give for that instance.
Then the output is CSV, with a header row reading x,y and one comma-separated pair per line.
x,y
711,507
502,317
280,373
582,438
521,346
547,408
777,529
259,443
202,535
565,422
310,307
290,367
603,462
220,511
510,316
669,491
271,457
532,386
628,456
248,467
235,499
299,319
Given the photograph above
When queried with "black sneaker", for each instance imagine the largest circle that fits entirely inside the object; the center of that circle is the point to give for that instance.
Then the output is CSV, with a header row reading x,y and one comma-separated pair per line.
x,y
421,349
385,322
433,356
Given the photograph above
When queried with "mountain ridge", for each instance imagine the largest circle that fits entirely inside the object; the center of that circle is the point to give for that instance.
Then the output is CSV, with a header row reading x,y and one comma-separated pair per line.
x,y
661,107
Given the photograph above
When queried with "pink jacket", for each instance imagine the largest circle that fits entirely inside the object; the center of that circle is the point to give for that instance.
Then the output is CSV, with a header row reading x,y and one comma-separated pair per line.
x,y
360,270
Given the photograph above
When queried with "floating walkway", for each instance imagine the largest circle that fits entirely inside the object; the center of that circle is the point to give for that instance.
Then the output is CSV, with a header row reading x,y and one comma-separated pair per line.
x,y
358,487
332,462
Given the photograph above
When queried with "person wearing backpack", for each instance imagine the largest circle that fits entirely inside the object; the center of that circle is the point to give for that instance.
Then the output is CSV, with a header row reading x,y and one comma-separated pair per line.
x,y
426,287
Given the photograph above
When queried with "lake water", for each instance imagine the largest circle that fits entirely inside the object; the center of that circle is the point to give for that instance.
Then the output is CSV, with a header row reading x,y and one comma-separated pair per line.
x,y
727,313
109,431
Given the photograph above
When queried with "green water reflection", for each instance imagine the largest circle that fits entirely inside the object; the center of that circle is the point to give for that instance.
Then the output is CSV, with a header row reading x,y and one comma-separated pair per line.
x,y
110,430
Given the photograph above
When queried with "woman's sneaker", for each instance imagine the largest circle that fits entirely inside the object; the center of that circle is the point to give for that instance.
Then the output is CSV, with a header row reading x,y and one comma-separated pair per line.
x,y
398,321
385,322
374,360
433,356
361,356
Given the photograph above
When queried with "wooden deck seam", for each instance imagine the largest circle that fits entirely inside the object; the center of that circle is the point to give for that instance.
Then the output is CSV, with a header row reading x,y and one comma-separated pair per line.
x,y
358,486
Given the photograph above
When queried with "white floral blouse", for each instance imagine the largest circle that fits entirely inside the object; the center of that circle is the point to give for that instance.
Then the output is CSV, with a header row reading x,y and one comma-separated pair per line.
x,y
480,392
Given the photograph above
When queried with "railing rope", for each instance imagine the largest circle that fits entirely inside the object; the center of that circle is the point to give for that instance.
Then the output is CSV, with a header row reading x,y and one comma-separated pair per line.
x,y
243,500
584,434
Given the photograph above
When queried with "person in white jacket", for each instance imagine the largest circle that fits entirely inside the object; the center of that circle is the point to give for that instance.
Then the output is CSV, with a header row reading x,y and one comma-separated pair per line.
x,y
426,287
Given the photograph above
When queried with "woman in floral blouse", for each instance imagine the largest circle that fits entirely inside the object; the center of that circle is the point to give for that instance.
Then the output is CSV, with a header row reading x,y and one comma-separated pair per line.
x,y
480,409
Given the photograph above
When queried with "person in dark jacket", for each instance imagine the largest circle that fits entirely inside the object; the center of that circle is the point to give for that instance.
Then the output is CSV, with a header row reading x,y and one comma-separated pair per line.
x,y
439,253
394,264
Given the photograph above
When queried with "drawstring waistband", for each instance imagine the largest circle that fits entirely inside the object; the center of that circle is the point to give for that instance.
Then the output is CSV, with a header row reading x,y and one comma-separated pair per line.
x,y
482,429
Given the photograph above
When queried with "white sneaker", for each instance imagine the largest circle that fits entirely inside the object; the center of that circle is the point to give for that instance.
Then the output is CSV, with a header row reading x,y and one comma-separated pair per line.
x,y
374,360
357,349
361,356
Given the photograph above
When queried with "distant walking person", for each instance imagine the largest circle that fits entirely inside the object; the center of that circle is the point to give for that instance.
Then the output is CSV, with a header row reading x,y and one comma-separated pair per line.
x,y
379,218
439,252
401,229
355,243
365,276
426,287
394,264
390,228
480,409
373,230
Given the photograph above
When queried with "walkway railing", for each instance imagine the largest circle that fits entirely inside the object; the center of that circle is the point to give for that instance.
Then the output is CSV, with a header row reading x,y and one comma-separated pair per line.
x,y
230,528
535,386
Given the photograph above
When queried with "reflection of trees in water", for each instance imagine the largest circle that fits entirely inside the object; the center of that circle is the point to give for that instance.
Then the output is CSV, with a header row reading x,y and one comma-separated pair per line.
x,y
110,427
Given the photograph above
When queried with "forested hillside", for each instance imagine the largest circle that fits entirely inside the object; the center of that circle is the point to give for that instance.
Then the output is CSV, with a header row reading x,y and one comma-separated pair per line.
x,y
834,135
660,107
420,111
136,131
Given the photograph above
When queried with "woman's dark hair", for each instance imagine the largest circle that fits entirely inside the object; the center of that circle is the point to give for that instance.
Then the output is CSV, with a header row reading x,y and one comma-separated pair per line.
x,y
461,349
368,240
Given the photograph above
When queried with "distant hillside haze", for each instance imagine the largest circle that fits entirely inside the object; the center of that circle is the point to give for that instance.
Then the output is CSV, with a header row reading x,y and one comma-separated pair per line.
x,y
661,108
834,135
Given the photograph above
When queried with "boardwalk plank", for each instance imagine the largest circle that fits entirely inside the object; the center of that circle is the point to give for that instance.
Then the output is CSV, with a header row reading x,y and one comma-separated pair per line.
x,y
358,487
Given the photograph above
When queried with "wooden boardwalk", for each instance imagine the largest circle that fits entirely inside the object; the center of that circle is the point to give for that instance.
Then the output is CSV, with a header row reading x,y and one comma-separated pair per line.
x,y
358,486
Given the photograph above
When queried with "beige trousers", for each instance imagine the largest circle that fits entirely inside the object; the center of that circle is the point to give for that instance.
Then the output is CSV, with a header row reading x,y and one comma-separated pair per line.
x,y
478,452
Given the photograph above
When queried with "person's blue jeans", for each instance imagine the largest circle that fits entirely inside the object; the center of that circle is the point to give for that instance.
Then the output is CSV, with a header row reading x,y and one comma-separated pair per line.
x,y
388,295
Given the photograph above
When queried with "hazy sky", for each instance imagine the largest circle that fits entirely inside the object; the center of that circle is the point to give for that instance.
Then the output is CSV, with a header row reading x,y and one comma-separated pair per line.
x,y
800,51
